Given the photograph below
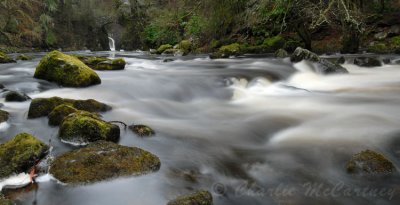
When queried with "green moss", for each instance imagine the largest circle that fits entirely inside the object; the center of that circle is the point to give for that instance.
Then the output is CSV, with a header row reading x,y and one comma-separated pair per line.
x,y
164,47
395,41
142,130
83,127
24,57
230,50
20,154
274,43
378,48
280,53
185,46
101,161
59,113
369,162
5,58
3,116
65,70
102,63
196,198
41,107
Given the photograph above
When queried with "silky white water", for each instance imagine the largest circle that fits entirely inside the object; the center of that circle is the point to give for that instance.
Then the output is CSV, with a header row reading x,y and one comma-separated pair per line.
x,y
252,130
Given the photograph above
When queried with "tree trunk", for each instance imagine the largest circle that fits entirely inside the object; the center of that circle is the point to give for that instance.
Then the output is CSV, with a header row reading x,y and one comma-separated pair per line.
x,y
305,35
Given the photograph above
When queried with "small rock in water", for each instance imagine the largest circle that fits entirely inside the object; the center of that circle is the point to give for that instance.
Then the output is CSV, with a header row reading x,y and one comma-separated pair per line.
x,y
369,163
367,62
142,130
168,60
4,116
103,160
2,86
4,58
341,60
281,53
24,57
102,63
196,198
386,61
14,96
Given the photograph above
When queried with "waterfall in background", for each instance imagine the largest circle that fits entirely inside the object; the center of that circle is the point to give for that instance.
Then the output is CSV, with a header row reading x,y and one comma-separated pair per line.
x,y
112,44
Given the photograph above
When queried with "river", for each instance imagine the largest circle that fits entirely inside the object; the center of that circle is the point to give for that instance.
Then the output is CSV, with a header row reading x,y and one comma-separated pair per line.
x,y
251,130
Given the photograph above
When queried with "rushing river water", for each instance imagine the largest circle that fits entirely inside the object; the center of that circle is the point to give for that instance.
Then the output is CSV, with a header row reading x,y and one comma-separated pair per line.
x,y
252,130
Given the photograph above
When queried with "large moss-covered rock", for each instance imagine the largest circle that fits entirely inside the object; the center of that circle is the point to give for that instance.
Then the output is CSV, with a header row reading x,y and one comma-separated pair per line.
x,y
196,198
322,66
20,154
65,70
59,113
102,63
14,96
142,130
101,161
41,107
367,62
5,58
83,128
369,162
185,46
164,47
3,116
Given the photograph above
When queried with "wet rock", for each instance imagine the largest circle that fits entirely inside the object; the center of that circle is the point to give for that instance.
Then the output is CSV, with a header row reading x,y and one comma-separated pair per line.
x,y
65,70
370,162
82,128
20,154
14,96
2,86
142,130
196,198
226,51
322,66
367,62
41,107
386,61
24,57
168,60
59,113
341,60
185,47
5,58
102,63
101,161
3,116
162,48
281,53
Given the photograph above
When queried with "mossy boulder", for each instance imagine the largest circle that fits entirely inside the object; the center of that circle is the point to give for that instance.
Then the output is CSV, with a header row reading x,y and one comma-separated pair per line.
x,y
369,162
65,70
3,116
14,96
281,53
227,51
83,128
164,47
59,113
5,58
196,198
367,62
101,161
322,66
274,43
41,107
24,57
102,63
20,154
142,130
185,46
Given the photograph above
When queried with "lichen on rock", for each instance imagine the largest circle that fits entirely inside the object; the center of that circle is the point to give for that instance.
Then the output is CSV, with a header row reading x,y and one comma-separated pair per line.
x,y
20,154
370,162
142,130
65,70
101,161
196,198
83,128
41,107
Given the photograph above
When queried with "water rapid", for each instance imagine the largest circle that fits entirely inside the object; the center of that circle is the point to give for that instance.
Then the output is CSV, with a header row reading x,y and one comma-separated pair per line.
x,y
252,130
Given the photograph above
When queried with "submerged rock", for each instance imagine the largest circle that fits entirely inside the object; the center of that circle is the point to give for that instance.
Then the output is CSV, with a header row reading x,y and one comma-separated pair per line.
x,y
196,198
65,70
370,162
83,128
24,57
367,62
14,96
41,107
5,58
103,63
322,66
101,161
20,154
142,130
59,113
3,116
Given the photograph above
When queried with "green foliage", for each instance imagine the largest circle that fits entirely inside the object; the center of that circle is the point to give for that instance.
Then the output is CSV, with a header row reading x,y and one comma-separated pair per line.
x,y
395,41
195,26
274,43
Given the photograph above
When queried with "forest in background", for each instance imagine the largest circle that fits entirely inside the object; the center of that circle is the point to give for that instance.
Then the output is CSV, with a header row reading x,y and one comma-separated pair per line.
x,y
258,26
